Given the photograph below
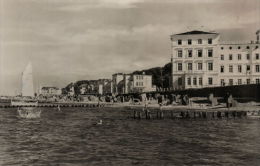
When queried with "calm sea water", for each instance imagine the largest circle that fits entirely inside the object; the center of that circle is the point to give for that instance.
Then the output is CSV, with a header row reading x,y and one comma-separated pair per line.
x,y
71,138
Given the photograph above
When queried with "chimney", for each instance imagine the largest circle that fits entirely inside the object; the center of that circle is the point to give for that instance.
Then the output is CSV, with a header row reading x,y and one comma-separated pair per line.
x,y
257,36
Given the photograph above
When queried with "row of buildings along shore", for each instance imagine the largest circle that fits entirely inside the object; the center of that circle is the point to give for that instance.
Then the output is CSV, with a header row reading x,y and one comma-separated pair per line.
x,y
199,59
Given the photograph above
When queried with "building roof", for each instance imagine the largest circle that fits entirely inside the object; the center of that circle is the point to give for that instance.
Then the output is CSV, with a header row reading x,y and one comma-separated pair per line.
x,y
47,88
195,32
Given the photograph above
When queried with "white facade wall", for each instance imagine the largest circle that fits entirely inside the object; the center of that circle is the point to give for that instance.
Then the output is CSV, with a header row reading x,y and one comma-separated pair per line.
x,y
225,69
199,77
142,83
244,56
132,83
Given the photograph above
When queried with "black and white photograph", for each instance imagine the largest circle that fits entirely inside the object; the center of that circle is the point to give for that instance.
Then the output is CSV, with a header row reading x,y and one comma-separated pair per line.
x,y
129,82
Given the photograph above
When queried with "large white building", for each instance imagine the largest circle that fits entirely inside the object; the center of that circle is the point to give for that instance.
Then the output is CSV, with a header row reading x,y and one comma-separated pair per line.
x,y
199,60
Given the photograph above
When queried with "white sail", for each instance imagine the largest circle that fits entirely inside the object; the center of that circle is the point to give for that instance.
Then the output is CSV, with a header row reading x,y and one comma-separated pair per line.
x,y
27,81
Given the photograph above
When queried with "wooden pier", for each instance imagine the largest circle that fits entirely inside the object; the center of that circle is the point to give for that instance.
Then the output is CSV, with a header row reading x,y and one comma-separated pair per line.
x,y
87,105
186,114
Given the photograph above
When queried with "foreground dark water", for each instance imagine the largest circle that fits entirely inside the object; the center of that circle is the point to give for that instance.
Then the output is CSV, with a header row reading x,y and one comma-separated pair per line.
x,y
70,138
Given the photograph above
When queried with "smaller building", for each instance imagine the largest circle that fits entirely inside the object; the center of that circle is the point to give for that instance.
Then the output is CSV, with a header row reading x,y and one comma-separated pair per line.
x,y
142,83
50,91
132,83
95,87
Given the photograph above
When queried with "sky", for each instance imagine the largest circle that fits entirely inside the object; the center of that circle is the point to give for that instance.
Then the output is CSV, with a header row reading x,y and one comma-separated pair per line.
x,y
70,40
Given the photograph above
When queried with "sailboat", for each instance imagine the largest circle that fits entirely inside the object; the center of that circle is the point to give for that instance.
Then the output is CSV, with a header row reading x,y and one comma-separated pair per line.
x,y
27,89
26,102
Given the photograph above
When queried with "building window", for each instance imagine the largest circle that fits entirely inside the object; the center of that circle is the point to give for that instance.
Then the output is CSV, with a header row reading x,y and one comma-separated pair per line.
x,y
247,67
230,56
257,81
179,66
230,81
257,68
230,68
200,66
179,81
256,47
247,56
179,53
189,53
136,84
239,68
200,81
210,66
179,42
222,57
239,56
209,41
247,47
210,53
239,81
256,56
199,53
195,81
222,69
210,80
199,41
247,81
189,81
189,41
238,47
222,48
189,66
230,48
222,82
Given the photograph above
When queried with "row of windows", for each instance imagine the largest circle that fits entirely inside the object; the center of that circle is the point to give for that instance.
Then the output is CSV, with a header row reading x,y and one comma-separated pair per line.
x,y
194,81
190,41
239,47
139,83
239,81
199,53
239,56
139,77
239,68
199,66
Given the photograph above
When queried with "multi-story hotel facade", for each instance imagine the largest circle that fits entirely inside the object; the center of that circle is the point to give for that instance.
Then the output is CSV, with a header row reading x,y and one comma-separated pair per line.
x,y
200,59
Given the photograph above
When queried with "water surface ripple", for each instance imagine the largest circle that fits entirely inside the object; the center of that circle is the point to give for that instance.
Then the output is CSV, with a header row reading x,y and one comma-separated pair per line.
x,y
71,138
